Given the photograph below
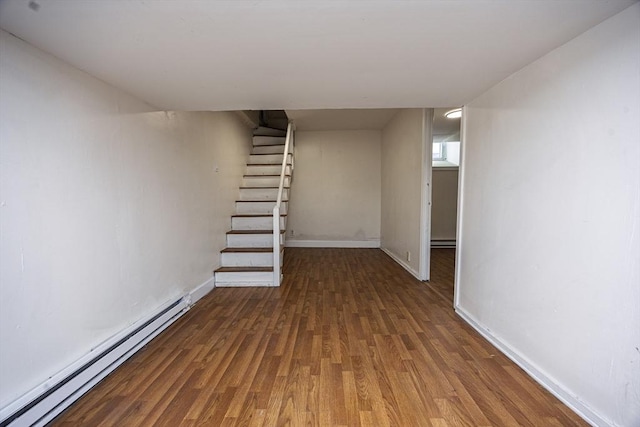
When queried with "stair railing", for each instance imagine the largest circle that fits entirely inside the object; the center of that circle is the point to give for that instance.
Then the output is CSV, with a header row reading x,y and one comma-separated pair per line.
x,y
277,239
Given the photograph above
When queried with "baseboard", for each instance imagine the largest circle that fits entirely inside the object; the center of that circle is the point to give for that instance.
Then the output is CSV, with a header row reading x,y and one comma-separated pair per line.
x,y
402,263
202,290
534,372
46,401
332,243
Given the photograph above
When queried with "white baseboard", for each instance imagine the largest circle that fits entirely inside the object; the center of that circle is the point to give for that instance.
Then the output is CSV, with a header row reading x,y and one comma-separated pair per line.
x,y
534,372
46,401
332,243
202,290
402,263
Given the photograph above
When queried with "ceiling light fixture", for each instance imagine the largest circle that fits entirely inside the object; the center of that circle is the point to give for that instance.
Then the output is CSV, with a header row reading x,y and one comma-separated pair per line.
x,y
454,114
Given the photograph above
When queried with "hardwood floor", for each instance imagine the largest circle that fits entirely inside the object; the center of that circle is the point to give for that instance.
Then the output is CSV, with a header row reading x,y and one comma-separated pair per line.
x,y
442,272
349,339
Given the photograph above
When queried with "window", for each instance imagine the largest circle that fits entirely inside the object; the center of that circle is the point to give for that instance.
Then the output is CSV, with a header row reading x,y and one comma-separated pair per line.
x,y
439,151
446,154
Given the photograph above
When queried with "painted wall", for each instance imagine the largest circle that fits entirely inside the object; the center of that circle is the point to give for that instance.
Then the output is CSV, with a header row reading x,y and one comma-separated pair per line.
x,y
109,209
549,246
335,194
444,203
401,187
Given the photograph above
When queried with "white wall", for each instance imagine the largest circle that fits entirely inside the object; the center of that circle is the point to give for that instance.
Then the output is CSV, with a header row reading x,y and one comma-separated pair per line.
x,y
549,246
108,208
444,203
335,194
402,140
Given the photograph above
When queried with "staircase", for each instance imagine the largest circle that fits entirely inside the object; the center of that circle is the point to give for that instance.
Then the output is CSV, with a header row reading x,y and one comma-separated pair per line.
x,y
248,258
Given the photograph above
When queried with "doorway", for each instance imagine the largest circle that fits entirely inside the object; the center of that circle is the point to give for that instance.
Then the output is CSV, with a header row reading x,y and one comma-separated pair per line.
x,y
445,151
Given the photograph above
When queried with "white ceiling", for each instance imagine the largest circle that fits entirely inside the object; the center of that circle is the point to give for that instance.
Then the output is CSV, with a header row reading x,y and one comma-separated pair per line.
x,y
290,54
348,119
444,127
375,119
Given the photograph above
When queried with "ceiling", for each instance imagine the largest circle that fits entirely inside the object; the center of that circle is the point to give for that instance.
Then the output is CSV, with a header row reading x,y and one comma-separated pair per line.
x,y
374,119
346,119
290,54
444,127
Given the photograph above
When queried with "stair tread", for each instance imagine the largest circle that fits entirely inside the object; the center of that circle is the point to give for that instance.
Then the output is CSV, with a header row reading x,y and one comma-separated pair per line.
x,y
267,164
268,145
264,188
243,269
247,250
261,200
254,215
250,250
252,232
252,176
269,131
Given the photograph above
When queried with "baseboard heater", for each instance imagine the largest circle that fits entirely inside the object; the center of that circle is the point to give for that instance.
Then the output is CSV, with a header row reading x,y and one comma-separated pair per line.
x,y
47,401
442,243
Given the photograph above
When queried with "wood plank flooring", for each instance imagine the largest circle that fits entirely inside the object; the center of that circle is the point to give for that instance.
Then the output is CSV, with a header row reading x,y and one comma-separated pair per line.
x,y
349,339
442,272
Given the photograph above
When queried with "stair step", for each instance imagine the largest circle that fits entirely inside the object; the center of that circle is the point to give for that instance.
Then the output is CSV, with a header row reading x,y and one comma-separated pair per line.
x,y
259,206
268,149
262,194
269,162
268,140
267,169
244,276
259,200
248,257
256,222
247,250
255,215
277,144
265,176
265,181
252,239
252,232
242,269
268,159
268,131
263,188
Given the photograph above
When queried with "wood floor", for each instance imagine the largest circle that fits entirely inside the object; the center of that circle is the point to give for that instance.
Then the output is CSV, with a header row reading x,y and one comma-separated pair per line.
x,y
349,339
442,272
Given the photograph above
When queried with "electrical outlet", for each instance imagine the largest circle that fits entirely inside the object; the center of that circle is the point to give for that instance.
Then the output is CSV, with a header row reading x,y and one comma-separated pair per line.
x,y
408,256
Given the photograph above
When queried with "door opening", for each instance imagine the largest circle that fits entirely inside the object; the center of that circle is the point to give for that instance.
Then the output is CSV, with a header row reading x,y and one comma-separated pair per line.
x,y
445,161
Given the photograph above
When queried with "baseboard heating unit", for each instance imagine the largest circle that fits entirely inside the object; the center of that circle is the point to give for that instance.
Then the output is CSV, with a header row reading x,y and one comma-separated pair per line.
x,y
447,244
48,400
